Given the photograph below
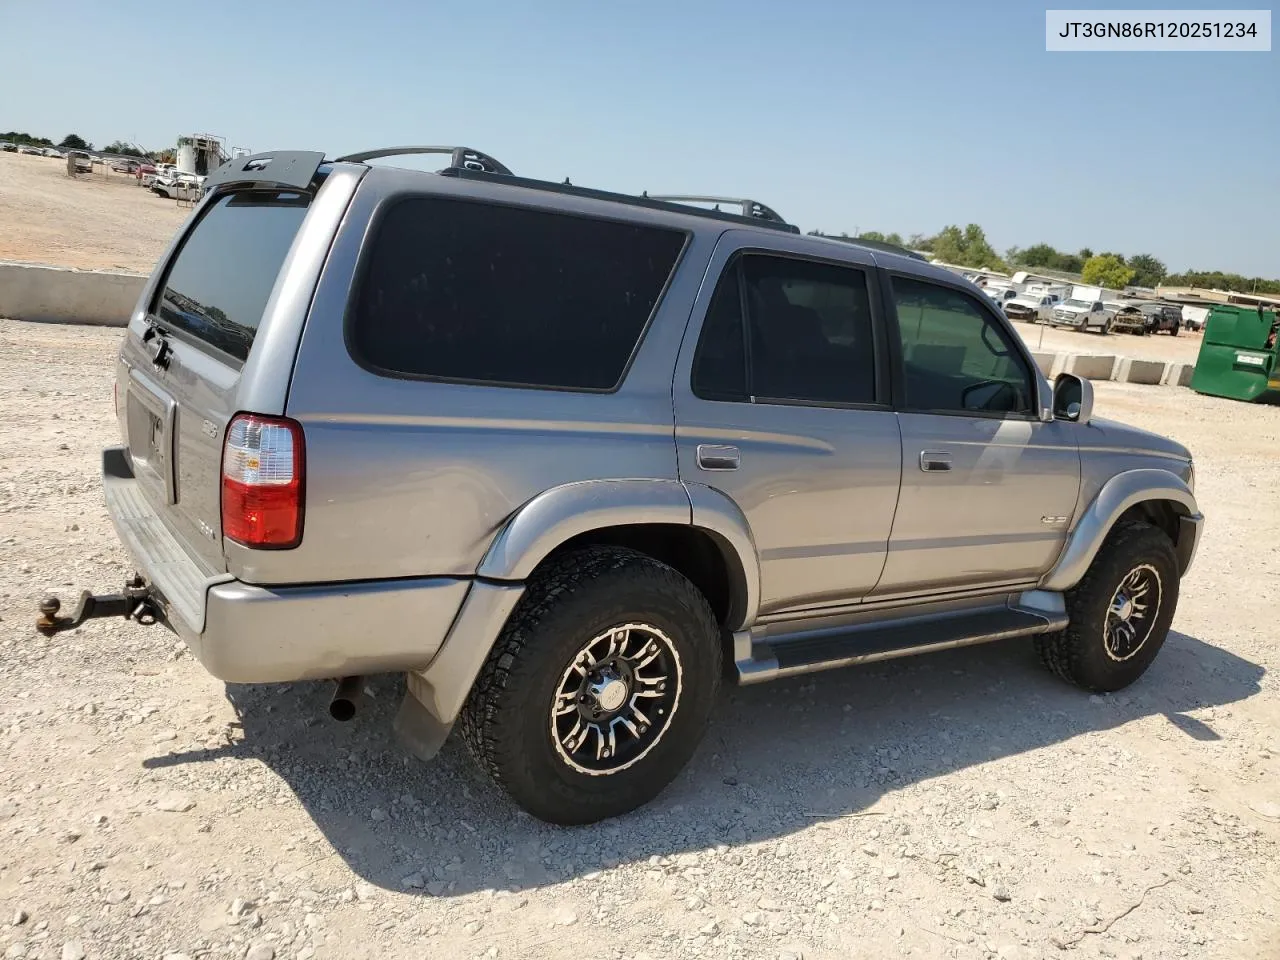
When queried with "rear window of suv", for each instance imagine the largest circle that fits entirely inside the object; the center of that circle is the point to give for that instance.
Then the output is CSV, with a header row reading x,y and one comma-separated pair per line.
x,y
473,292
218,285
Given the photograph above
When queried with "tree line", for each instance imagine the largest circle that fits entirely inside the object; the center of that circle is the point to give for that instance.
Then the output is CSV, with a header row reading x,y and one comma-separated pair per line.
x,y
969,247
74,141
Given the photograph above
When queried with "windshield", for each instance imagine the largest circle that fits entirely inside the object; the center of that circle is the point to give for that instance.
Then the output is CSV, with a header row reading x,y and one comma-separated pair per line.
x,y
1077,304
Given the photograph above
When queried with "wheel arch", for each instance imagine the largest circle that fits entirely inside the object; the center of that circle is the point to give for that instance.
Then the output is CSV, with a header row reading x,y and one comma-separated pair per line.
x,y
1156,496
696,529
692,527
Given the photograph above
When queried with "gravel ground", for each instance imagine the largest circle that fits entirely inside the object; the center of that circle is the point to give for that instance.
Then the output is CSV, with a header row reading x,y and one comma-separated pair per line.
x,y
91,222
962,804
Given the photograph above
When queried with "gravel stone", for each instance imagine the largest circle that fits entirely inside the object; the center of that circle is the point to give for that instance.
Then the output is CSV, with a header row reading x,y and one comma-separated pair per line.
x,y
175,803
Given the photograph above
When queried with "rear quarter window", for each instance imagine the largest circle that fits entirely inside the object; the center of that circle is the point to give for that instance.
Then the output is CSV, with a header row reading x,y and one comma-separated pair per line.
x,y
474,292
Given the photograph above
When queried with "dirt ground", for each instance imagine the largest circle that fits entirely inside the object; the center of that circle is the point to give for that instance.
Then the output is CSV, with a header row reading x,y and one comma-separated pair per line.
x,y
960,805
92,222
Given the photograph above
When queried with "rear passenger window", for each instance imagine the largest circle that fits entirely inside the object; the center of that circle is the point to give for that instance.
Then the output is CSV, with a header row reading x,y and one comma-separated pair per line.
x,y
956,357
460,290
810,334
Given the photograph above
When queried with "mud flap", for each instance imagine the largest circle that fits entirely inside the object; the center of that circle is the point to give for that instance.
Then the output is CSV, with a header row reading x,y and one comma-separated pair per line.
x,y
421,733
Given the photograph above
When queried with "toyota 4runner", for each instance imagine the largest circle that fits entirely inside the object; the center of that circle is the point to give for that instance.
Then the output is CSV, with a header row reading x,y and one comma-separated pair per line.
x,y
566,457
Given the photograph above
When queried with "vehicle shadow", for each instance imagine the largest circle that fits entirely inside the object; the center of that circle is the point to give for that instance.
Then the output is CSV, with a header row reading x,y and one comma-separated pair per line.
x,y
777,758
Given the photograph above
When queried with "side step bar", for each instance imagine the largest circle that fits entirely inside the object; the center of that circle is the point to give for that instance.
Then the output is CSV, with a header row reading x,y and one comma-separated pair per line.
x,y
827,648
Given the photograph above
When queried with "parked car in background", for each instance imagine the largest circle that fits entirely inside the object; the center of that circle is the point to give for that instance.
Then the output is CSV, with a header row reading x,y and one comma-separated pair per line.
x,y
179,186
1084,310
160,170
1129,318
1031,308
1193,318
28,149
144,170
83,162
7,147
1163,317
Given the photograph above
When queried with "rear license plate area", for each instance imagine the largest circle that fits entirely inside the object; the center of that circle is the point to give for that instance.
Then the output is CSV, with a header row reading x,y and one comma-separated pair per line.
x,y
150,413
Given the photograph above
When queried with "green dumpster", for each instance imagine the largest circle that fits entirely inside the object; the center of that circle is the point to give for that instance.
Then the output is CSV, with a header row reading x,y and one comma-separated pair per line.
x,y
1238,356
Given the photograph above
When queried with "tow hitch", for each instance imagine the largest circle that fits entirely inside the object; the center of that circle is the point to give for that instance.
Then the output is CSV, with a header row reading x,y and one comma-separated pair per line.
x,y
134,602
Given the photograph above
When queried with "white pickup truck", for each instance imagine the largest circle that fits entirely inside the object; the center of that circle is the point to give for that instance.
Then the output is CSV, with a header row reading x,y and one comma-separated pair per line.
x,y
1083,310
1031,307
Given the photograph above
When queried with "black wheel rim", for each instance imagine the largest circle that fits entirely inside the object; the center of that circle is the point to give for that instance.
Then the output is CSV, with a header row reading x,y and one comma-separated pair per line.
x,y
616,699
1131,615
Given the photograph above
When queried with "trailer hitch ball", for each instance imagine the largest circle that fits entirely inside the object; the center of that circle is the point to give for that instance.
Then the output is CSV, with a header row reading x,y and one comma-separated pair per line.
x,y
133,602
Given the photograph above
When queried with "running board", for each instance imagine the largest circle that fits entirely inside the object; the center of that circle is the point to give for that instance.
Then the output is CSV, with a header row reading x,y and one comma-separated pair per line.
x,y
829,647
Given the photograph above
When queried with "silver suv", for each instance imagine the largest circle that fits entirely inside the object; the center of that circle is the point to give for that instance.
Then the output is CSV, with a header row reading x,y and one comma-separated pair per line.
x,y
566,457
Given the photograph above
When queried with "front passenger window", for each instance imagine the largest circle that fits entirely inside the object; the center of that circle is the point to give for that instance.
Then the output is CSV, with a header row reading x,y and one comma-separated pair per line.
x,y
957,359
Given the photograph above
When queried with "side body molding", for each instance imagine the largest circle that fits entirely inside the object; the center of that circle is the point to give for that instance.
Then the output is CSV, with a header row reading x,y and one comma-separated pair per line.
x,y
1117,495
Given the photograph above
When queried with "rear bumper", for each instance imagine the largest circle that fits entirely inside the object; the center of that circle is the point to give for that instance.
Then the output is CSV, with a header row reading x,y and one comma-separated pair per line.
x,y
245,633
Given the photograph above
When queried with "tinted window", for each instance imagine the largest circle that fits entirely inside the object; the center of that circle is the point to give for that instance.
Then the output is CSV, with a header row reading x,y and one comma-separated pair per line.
x,y
720,363
956,356
810,336
468,291
219,282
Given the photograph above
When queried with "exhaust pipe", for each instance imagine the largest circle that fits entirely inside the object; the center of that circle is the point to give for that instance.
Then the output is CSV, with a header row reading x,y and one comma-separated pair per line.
x,y
343,705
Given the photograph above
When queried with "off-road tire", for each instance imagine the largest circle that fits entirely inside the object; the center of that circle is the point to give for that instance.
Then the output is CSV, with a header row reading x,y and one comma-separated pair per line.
x,y
1078,654
506,722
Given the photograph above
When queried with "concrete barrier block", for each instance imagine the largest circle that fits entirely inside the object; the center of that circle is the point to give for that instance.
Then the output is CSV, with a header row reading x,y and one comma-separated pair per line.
x,y
1091,366
1130,370
1179,374
1050,364
55,294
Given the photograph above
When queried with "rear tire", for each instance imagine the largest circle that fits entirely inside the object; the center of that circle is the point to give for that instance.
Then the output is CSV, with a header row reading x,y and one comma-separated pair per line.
x,y
1119,612
599,688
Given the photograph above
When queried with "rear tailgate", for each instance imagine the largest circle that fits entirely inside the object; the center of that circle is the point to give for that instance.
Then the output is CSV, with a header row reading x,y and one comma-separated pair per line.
x,y
182,370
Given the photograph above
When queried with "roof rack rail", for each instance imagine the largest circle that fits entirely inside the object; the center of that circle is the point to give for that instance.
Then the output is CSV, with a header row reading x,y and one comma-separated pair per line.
x,y
644,200
461,158
752,209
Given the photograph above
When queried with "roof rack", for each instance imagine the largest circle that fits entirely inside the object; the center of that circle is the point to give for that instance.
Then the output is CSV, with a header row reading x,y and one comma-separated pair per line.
x,y
644,200
752,209
461,158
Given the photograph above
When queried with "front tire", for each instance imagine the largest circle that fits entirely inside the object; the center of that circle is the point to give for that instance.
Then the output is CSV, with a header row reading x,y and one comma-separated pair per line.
x,y
599,688
1119,612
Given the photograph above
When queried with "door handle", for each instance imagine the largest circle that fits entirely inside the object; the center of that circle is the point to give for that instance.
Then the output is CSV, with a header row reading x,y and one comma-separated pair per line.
x,y
714,456
934,461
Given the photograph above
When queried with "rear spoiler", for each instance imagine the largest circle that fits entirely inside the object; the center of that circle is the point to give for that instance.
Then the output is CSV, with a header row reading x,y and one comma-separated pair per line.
x,y
290,169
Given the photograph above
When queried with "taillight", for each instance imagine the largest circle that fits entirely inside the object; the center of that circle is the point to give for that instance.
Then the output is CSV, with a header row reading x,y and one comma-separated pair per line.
x,y
262,467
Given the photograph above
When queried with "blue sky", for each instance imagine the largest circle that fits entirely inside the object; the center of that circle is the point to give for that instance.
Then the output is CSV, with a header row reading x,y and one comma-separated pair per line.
x,y
842,116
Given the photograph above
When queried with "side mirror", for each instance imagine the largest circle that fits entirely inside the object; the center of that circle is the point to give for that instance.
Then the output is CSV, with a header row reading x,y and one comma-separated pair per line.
x,y
1072,398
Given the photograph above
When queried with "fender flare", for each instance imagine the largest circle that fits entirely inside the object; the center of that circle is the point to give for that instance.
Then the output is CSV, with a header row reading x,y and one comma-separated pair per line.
x,y
718,515
1117,495
561,513
564,512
